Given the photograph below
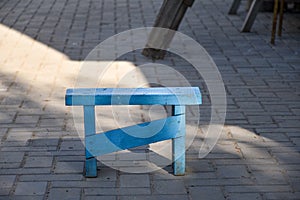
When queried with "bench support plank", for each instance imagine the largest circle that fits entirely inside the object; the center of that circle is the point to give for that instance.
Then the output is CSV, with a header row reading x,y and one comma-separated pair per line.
x,y
121,139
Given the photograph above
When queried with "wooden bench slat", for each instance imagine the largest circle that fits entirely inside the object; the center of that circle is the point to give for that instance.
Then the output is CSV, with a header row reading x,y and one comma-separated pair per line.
x,y
134,96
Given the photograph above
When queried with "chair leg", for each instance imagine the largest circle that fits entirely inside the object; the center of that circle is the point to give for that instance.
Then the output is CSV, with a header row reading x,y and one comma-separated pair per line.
x,y
280,17
251,15
234,7
274,25
249,5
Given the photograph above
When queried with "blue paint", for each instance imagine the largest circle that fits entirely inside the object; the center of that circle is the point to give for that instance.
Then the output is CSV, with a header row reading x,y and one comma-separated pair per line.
x,y
89,130
120,139
91,167
134,96
149,132
178,143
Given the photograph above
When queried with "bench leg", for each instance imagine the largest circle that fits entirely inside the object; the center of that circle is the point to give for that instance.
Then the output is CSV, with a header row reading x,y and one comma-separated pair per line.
x,y
91,167
89,129
178,143
179,156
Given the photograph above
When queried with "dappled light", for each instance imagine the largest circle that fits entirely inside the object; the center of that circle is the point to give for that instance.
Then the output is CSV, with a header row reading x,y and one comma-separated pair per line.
x,y
254,155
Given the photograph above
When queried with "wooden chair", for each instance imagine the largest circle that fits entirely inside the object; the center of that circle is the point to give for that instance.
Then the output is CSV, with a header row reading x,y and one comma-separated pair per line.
x,y
253,11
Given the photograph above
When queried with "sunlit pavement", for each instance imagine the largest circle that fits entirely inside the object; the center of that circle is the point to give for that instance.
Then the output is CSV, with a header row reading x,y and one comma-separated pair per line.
x,y
43,45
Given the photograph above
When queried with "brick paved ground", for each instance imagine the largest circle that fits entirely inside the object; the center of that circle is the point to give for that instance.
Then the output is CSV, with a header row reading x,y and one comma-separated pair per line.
x,y
42,44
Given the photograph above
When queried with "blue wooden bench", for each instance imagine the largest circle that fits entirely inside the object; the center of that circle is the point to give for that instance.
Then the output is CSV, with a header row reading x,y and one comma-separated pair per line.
x,y
119,139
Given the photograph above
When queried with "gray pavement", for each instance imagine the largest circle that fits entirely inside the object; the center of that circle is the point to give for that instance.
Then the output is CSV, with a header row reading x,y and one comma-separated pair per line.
x,y
42,46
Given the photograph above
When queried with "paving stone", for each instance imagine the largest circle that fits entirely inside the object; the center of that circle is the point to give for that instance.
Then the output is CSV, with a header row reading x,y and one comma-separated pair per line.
x,y
128,180
31,188
71,145
207,192
282,195
169,187
83,184
19,136
269,177
28,197
100,197
65,193
69,167
233,171
254,153
6,183
245,196
27,119
164,174
50,177
6,157
105,174
38,162
275,137
218,182
117,191
259,119
19,171
288,158
156,197
198,166
256,188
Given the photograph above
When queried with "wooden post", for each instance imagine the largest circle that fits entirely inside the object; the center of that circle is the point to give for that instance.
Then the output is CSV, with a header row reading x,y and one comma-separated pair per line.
x,y
170,15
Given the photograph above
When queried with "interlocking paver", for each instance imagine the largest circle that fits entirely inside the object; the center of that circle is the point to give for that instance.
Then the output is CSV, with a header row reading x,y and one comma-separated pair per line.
x,y
6,183
129,180
234,171
245,196
8,157
64,193
38,162
42,46
208,192
31,188
156,197
169,187
100,198
69,167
